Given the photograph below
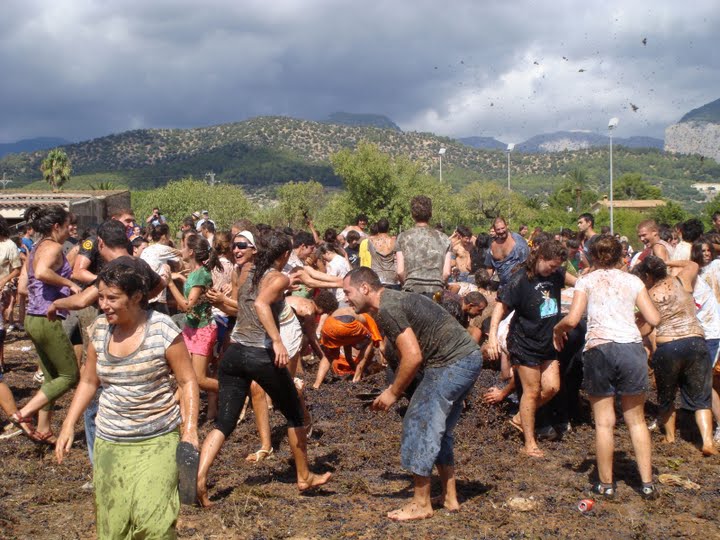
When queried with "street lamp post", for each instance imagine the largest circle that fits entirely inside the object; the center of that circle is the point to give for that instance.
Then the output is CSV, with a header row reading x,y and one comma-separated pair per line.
x,y
441,153
612,124
510,148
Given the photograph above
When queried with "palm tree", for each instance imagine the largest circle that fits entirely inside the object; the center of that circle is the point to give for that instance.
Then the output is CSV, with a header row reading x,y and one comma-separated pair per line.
x,y
56,169
103,186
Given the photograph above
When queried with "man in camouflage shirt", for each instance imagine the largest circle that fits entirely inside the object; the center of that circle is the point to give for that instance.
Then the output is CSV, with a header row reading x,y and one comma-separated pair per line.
x,y
423,254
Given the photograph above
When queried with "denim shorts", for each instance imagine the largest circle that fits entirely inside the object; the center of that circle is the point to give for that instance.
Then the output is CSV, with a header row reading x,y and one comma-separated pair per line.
x,y
433,412
615,369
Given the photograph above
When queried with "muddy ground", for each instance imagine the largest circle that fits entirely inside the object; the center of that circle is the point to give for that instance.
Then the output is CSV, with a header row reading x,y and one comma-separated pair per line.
x,y
39,499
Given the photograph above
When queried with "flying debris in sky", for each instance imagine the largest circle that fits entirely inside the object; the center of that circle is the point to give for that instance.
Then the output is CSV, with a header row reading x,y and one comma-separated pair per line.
x,y
644,41
581,70
634,107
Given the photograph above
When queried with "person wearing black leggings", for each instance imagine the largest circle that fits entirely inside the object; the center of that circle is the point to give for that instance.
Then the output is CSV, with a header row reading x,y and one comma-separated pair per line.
x,y
258,354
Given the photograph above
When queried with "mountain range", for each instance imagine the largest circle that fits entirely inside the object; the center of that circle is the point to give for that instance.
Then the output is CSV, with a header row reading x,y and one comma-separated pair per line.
x,y
271,150
31,145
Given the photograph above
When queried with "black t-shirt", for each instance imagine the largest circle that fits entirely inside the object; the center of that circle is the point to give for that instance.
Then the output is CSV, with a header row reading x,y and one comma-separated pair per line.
x,y
353,256
536,303
441,338
89,250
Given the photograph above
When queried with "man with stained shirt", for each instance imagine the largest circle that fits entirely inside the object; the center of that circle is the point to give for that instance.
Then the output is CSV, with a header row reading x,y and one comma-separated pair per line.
x,y
507,251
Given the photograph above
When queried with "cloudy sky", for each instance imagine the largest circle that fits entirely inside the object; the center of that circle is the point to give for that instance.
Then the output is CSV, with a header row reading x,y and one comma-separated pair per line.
x,y
508,69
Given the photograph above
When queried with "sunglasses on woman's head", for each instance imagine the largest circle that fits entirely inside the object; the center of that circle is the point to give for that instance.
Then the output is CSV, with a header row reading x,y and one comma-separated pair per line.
x,y
241,245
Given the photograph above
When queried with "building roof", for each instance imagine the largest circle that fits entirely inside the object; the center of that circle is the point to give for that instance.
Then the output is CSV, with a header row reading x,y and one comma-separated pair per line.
x,y
13,203
635,204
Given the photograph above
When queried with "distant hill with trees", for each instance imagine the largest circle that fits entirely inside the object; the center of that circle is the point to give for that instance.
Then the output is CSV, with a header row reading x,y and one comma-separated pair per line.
x,y
266,151
362,120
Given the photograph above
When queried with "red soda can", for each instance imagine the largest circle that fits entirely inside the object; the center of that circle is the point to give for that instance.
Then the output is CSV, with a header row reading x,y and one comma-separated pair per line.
x,y
586,505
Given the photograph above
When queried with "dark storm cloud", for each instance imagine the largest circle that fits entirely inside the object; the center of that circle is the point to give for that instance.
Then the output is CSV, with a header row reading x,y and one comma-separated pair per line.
x,y
84,69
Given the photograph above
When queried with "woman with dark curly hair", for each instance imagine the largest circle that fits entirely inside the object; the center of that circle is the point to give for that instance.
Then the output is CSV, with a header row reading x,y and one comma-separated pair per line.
x,y
133,352
533,292
257,354
48,278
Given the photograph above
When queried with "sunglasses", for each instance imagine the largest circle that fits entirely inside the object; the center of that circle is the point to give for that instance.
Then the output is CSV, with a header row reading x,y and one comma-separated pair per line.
x,y
241,245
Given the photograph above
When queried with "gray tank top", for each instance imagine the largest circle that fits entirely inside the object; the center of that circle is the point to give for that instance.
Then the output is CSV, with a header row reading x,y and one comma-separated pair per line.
x,y
248,329
383,265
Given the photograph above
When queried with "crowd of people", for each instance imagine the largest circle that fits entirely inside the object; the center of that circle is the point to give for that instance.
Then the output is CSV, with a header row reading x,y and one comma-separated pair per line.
x,y
141,323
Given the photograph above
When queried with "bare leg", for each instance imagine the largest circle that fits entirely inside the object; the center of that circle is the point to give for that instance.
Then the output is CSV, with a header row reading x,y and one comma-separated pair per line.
x,y
43,421
448,498
7,401
604,413
294,364
420,506
716,399
703,419
262,419
298,444
323,368
530,378
634,414
200,366
668,421
210,449
37,402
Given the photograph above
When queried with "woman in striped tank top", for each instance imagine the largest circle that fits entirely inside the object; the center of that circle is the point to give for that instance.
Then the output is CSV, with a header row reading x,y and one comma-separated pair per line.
x,y
133,353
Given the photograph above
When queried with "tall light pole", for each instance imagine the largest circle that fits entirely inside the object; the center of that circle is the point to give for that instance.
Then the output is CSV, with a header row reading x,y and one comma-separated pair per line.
x,y
510,148
441,153
612,124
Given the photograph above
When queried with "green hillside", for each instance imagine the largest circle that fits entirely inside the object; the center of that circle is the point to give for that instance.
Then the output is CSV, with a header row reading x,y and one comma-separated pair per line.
x,y
265,151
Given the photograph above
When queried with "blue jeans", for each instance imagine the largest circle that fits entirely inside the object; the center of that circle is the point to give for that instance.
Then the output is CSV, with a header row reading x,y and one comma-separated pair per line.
x,y
433,412
89,419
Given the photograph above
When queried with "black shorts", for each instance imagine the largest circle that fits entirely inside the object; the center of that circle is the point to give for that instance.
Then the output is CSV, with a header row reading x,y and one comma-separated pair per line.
x,y
615,369
528,360
683,363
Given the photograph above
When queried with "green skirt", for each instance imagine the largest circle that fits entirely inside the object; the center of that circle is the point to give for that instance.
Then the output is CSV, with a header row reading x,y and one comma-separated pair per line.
x,y
136,488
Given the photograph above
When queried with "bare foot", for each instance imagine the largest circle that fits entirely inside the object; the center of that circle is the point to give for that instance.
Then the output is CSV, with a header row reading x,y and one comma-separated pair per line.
x,y
668,440
449,505
314,481
202,494
534,452
710,450
410,512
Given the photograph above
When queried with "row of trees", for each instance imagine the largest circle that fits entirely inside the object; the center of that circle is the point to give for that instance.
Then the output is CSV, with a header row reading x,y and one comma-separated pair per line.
x,y
381,186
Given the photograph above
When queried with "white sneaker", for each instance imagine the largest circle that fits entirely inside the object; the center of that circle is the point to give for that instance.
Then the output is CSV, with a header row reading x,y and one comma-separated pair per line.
x,y
10,431
39,377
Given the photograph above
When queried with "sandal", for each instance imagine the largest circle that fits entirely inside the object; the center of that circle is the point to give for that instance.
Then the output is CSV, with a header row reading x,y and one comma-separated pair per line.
x,y
515,425
24,424
45,438
260,455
